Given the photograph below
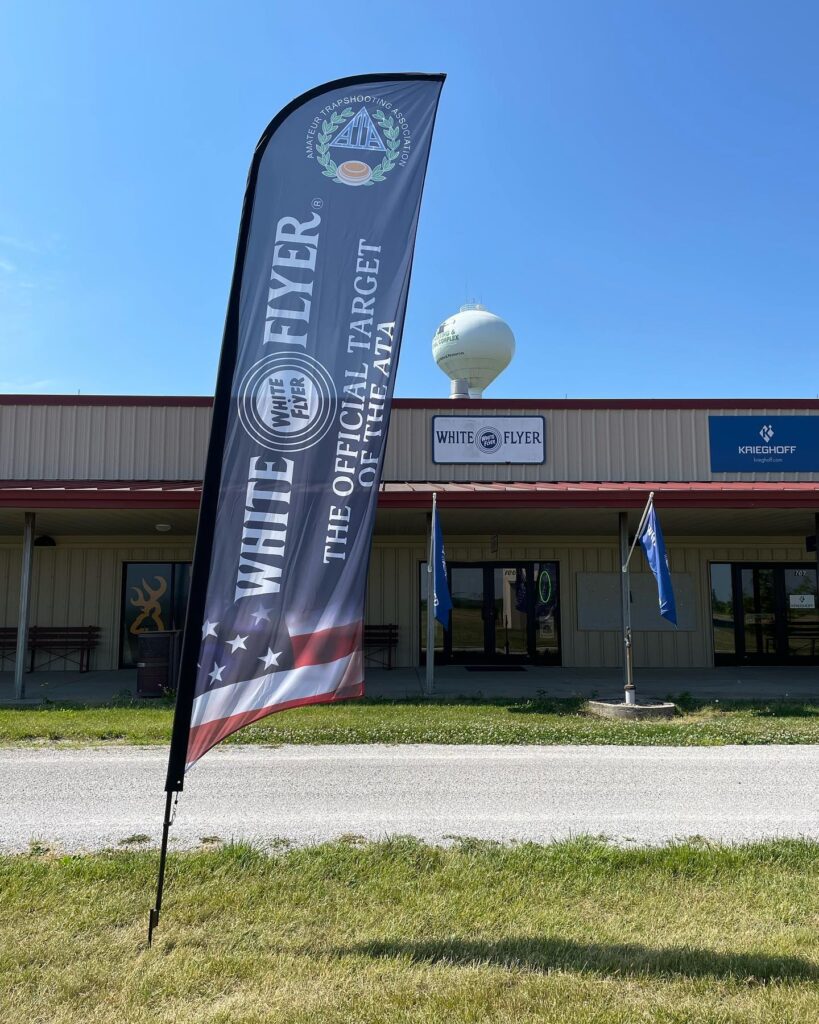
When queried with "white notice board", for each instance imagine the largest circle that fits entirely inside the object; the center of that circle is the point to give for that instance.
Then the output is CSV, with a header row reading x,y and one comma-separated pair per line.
x,y
598,602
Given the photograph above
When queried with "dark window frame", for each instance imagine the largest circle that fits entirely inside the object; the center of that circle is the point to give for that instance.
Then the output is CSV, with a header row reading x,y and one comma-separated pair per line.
x,y
123,587
490,656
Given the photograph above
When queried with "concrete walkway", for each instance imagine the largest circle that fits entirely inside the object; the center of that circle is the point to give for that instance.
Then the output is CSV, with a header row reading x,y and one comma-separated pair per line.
x,y
754,683
92,799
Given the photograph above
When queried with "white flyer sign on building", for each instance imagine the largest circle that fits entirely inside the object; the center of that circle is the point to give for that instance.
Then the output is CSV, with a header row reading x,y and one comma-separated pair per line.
x,y
477,439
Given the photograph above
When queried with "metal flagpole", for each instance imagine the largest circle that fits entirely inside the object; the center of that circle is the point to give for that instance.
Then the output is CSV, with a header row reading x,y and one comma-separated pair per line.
x,y
625,598
431,602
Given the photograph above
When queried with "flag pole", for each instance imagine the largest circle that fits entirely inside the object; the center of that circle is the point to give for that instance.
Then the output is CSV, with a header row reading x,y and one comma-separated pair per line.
x,y
625,598
431,603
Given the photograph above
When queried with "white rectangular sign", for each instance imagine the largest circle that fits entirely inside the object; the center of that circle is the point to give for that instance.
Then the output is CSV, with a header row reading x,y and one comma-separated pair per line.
x,y
802,600
477,439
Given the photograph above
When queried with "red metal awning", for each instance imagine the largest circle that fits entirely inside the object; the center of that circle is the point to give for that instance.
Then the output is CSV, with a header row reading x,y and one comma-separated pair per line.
x,y
591,494
33,494
130,494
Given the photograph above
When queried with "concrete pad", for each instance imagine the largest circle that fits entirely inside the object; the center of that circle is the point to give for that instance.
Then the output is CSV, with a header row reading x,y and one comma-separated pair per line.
x,y
631,712
454,682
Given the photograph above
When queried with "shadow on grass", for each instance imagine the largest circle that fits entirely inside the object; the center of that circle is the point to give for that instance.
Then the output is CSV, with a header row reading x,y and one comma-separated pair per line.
x,y
546,954
544,705
757,708
516,706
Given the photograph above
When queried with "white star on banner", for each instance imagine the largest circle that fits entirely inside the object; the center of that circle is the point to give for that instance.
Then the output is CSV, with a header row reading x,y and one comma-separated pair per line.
x,y
209,629
216,674
261,614
270,658
236,642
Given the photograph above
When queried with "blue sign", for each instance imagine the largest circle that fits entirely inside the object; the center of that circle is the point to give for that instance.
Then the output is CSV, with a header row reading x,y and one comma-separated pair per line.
x,y
764,444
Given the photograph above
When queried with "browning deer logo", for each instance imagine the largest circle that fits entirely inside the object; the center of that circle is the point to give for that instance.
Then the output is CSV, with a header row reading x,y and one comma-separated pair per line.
x,y
147,598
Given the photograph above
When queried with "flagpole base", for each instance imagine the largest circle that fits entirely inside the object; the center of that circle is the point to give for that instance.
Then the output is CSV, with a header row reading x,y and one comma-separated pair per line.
x,y
648,710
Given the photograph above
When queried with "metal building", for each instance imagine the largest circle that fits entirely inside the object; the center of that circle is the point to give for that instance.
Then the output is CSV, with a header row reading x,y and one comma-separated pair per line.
x,y
530,495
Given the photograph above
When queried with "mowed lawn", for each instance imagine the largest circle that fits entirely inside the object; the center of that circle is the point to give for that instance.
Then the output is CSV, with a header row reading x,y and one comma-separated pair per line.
x,y
543,722
349,933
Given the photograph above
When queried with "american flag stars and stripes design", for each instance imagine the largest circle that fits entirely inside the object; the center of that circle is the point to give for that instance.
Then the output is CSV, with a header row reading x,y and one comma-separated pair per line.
x,y
251,666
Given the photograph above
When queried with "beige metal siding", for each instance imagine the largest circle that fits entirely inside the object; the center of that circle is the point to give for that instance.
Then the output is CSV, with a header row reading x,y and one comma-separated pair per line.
x,y
80,584
103,442
581,444
393,592
167,442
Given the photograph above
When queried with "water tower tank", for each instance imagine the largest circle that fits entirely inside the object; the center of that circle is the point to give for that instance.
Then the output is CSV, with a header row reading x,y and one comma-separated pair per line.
x,y
473,346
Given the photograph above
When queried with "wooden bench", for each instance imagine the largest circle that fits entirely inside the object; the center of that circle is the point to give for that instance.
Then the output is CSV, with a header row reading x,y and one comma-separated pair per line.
x,y
8,642
379,643
804,631
71,643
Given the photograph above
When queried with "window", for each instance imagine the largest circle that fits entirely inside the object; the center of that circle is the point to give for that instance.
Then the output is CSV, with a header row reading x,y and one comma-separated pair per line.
x,y
154,598
722,608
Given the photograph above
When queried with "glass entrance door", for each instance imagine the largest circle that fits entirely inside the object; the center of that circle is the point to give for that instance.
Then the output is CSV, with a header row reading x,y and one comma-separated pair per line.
x,y
510,612
759,625
764,614
502,612
467,627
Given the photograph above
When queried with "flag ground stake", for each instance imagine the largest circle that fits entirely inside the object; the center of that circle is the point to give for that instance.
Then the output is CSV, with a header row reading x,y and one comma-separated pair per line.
x,y
153,915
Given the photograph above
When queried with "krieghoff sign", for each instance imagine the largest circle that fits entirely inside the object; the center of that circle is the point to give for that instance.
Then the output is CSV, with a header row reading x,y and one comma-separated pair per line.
x,y
764,444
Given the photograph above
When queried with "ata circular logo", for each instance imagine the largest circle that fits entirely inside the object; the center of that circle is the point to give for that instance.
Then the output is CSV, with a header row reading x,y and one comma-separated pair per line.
x,y
487,440
359,140
286,402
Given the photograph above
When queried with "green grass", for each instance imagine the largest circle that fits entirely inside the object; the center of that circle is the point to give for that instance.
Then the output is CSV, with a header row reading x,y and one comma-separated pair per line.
x,y
399,932
543,722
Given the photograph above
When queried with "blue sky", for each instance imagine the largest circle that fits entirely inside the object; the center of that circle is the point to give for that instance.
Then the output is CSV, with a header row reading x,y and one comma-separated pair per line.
x,y
633,185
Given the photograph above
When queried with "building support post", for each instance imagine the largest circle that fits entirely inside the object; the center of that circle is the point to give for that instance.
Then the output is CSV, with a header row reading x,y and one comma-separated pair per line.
x,y
625,602
429,683
25,604
816,534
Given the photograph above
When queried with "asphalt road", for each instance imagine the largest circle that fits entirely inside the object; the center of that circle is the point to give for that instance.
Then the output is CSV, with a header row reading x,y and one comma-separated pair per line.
x,y
91,799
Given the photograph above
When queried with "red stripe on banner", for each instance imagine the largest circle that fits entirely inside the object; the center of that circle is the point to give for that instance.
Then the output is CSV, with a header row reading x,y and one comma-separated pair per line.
x,y
326,645
203,737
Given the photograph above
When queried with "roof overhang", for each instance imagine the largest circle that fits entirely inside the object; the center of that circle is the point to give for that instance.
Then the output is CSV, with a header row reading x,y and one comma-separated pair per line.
x,y
112,494
541,494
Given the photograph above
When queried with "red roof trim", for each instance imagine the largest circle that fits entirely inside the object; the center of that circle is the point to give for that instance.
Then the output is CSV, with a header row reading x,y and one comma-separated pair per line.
x,y
546,404
186,401
77,494
714,495
443,404
127,494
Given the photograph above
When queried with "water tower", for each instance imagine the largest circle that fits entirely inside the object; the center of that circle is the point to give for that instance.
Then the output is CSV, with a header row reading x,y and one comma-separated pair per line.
x,y
472,347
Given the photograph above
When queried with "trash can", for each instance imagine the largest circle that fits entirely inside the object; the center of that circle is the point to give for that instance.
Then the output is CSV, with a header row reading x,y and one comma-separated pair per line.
x,y
157,662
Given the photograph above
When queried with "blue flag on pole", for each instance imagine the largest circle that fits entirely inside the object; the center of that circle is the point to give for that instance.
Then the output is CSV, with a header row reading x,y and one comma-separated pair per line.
x,y
441,598
651,539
